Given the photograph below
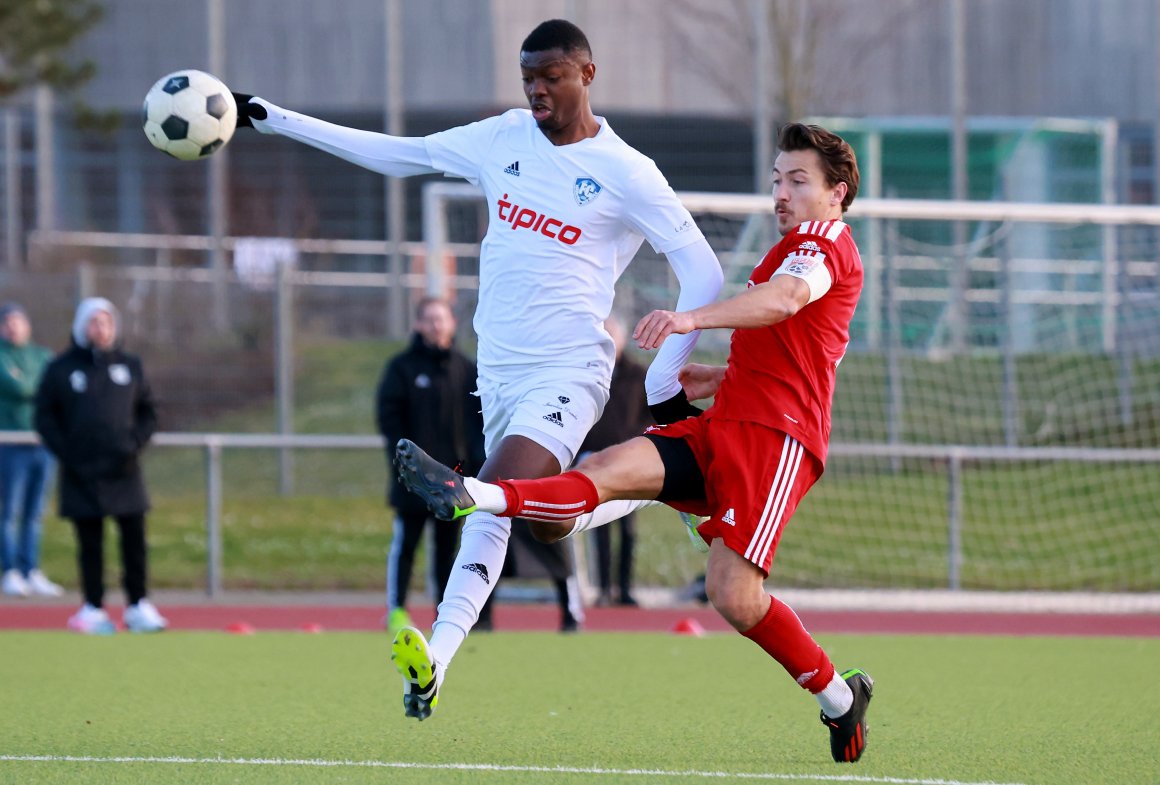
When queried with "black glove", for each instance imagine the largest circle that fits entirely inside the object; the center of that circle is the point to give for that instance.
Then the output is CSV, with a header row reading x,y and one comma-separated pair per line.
x,y
674,409
247,110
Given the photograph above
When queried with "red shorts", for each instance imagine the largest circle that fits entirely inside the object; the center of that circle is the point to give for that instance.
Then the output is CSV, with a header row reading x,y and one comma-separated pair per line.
x,y
754,478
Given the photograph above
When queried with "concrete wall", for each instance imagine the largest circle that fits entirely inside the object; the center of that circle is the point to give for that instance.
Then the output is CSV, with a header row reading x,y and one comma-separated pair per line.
x,y
1025,57
299,53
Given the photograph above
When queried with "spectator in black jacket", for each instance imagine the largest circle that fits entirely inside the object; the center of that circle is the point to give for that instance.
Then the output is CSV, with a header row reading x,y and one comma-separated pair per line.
x,y
95,412
426,395
625,415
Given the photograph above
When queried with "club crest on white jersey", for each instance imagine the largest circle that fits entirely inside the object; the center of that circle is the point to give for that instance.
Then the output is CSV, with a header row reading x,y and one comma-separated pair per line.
x,y
586,190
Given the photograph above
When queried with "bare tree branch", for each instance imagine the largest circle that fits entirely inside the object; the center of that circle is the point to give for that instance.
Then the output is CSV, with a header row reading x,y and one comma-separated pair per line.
x,y
817,45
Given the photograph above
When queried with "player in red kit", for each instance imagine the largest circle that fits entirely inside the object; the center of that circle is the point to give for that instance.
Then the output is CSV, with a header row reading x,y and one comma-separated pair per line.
x,y
747,461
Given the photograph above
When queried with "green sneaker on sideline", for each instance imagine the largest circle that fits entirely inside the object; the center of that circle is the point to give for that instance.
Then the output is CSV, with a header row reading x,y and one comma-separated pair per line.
x,y
397,619
414,663
691,523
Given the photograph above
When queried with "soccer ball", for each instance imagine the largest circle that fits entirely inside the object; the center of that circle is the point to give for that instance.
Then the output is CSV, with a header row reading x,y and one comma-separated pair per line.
x,y
189,114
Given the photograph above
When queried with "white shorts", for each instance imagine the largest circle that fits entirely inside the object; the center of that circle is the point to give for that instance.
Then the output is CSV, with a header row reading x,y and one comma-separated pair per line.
x,y
555,408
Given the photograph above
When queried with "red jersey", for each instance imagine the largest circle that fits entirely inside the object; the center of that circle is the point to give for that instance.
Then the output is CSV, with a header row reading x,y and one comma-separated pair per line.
x,y
782,376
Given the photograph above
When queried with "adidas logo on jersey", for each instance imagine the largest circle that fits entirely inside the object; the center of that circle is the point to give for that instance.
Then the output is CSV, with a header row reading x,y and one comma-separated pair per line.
x,y
513,168
728,517
479,570
555,418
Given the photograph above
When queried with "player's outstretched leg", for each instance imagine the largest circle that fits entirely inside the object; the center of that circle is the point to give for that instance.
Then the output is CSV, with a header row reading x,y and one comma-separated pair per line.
x,y
420,676
438,486
848,733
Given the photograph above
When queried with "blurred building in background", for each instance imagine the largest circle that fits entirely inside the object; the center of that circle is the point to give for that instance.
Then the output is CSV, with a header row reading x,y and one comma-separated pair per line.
x,y
680,79
1020,100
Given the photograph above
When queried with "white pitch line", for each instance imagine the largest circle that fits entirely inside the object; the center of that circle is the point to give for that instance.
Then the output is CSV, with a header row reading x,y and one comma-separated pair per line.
x,y
380,764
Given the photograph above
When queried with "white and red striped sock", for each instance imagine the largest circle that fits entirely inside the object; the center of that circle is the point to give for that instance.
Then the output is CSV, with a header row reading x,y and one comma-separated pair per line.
x,y
551,499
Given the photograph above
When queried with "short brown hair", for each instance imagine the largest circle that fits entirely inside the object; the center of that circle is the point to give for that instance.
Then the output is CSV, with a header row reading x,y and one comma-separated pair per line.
x,y
839,165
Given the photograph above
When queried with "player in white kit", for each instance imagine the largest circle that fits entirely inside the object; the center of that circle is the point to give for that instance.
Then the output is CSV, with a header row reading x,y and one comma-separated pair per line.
x,y
569,204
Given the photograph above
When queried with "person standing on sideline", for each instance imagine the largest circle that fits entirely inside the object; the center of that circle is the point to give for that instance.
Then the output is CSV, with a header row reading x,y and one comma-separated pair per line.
x,y
569,204
625,416
425,394
95,412
24,468
749,460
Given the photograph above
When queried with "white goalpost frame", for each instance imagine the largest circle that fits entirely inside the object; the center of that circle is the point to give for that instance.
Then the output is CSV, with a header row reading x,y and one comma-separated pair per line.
x,y
438,196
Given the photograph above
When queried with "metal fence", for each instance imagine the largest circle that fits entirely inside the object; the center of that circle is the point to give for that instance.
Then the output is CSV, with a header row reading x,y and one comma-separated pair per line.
x,y
954,458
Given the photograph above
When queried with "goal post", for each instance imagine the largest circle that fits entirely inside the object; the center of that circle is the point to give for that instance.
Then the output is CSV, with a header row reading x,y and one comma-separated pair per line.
x,y
1025,459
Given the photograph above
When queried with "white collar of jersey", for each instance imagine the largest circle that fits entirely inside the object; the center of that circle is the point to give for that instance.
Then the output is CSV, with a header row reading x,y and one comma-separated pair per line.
x,y
604,133
830,229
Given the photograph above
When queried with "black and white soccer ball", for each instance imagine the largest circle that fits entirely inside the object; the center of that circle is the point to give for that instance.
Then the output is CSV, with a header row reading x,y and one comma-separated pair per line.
x,y
189,114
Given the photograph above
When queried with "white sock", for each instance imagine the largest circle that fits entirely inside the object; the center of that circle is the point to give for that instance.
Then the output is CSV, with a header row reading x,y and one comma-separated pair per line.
x,y
837,698
488,496
478,564
608,512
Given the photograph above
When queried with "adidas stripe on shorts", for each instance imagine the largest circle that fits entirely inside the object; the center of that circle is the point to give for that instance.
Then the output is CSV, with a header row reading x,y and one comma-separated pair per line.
x,y
755,476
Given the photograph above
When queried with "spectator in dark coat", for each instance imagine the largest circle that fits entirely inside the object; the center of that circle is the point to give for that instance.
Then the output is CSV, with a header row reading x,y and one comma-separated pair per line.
x,y
426,395
95,412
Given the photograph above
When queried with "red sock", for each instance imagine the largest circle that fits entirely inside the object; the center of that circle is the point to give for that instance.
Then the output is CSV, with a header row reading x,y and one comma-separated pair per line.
x,y
552,499
781,634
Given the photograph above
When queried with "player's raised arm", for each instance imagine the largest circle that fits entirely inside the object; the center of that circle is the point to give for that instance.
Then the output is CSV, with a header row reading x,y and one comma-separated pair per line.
x,y
398,156
699,274
759,306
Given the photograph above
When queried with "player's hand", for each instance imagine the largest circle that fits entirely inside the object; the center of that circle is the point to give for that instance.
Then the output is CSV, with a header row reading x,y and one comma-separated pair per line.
x,y
247,111
700,381
673,410
652,330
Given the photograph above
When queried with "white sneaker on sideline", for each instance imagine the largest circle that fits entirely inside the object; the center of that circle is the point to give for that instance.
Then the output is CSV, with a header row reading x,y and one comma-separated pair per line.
x,y
41,586
144,617
14,584
91,621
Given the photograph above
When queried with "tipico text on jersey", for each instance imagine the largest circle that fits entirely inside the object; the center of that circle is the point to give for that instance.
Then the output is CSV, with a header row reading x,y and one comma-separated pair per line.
x,y
527,218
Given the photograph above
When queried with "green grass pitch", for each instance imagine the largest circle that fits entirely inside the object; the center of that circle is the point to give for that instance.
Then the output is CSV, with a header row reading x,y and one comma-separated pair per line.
x,y
186,707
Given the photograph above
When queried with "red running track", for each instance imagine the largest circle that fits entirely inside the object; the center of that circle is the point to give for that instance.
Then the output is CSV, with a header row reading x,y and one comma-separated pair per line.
x,y
529,617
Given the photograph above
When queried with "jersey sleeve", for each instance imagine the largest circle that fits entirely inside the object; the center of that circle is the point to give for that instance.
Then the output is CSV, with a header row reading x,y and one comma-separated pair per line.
x,y
391,155
657,214
700,277
460,151
812,257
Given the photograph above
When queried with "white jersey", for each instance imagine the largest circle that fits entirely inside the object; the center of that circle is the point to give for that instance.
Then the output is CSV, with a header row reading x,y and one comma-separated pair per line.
x,y
563,224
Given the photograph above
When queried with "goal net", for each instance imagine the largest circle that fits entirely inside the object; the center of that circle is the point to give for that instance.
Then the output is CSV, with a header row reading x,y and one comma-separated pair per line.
x,y
997,416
